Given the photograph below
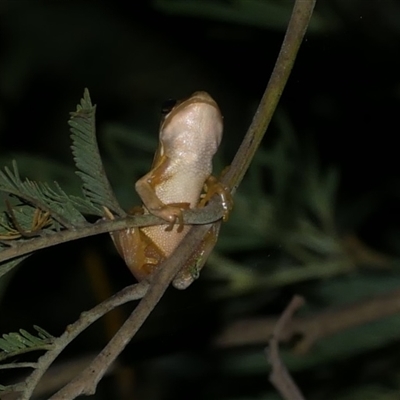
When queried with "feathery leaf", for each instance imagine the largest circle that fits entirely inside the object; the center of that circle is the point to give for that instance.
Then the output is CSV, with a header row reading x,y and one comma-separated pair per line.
x,y
17,343
96,187
52,200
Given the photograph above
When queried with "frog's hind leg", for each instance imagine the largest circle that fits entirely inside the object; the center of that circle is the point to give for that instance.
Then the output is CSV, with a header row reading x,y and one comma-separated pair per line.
x,y
140,254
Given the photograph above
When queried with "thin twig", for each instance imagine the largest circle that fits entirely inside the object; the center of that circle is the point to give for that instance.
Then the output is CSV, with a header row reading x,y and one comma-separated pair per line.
x,y
87,318
280,376
314,327
206,215
19,365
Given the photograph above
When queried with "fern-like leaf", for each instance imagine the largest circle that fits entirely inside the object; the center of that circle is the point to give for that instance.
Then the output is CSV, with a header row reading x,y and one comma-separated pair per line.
x,y
96,187
17,343
53,200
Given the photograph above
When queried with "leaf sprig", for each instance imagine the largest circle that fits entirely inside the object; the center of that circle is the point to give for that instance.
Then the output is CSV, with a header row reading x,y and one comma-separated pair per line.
x,y
40,195
41,208
17,343
96,186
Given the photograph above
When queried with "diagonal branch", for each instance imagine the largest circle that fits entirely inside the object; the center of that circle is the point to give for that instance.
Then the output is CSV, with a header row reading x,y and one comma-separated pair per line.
x,y
130,293
295,32
86,382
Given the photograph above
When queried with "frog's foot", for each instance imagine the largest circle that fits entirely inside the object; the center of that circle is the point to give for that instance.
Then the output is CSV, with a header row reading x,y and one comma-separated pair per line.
x,y
172,213
213,186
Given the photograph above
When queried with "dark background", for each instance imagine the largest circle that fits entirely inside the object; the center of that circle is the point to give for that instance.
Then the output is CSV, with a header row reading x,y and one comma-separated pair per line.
x,y
338,115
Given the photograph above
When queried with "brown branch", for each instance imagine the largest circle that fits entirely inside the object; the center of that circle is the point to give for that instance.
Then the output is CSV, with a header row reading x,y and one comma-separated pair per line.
x,y
280,376
295,32
206,215
313,328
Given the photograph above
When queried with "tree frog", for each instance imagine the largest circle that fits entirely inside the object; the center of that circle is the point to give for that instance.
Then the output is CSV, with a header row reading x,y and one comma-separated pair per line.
x,y
190,133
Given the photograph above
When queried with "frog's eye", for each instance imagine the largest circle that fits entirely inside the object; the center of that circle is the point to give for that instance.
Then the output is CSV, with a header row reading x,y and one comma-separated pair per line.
x,y
167,106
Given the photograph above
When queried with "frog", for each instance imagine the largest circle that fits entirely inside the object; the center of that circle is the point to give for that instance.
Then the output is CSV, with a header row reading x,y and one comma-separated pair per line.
x,y
179,179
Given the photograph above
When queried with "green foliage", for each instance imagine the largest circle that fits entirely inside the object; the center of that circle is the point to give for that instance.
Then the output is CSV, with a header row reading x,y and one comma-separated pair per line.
x,y
67,210
14,343
34,209
40,195
296,212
